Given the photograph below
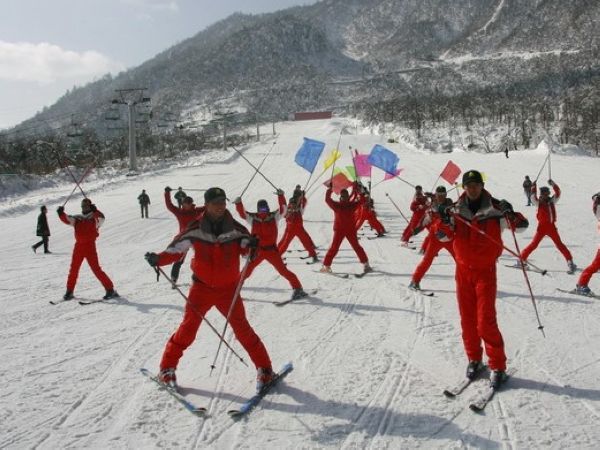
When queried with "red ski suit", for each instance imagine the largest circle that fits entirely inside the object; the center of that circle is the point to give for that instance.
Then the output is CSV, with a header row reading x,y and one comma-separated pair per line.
x,y
295,228
418,206
594,267
264,227
366,212
343,227
476,256
546,216
86,232
216,267
433,222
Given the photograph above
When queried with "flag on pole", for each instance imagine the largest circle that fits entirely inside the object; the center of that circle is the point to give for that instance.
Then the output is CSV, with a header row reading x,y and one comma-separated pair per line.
x,y
450,172
339,182
334,156
389,176
363,168
383,159
308,155
351,172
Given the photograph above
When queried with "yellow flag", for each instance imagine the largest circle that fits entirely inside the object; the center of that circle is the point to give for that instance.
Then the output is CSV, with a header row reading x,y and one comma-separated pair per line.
x,y
335,155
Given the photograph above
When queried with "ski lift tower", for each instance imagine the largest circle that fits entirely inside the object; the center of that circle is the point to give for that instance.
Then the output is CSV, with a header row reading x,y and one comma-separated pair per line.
x,y
131,98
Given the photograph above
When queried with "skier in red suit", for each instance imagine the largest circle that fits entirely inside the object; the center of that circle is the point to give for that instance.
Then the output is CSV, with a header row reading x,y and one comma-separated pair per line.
x,y
418,206
263,225
433,222
586,275
86,226
295,228
344,227
218,242
366,212
184,215
546,216
477,244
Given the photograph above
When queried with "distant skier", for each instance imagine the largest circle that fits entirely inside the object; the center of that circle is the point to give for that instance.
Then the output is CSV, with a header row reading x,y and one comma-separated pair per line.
x,y
144,201
86,226
42,230
418,206
344,227
366,212
546,216
527,189
184,215
263,225
475,224
180,195
295,228
435,243
586,275
219,242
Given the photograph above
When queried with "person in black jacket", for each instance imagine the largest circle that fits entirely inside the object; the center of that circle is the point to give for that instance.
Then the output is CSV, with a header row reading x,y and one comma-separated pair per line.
x,y
43,230
527,183
144,200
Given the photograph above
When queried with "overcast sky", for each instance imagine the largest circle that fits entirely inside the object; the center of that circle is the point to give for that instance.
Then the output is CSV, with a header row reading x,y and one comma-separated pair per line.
x,y
48,46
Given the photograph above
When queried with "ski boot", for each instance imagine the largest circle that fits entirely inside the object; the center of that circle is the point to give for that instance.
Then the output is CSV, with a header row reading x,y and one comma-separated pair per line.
x,y
68,295
497,378
111,293
298,293
168,378
474,369
572,267
264,376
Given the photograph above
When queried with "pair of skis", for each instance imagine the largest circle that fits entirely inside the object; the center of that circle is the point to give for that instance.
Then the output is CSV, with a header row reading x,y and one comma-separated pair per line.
x,y
480,401
285,302
235,414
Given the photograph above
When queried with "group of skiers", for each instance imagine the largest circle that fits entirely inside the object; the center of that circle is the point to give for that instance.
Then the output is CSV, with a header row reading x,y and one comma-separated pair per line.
x,y
469,229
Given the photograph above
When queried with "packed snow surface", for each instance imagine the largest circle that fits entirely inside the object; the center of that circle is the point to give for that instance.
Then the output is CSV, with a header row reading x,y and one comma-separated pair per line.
x,y
371,357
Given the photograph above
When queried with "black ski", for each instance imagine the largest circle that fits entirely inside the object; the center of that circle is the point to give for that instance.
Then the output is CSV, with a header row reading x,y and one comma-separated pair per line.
x,y
527,268
197,410
574,292
285,302
479,403
423,292
335,274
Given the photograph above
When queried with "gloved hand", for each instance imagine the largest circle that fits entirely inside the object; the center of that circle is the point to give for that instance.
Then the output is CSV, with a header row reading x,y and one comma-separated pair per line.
x,y
550,182
280,192
444,212
152,259
329,185
505,207
237,200
168,189
93,208
596,197
60,210
252,242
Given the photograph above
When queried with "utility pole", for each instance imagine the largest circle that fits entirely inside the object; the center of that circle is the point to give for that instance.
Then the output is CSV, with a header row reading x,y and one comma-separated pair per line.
x,y
131,97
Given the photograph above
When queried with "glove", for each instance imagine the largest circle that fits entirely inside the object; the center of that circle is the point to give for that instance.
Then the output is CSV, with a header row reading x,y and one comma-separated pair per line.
x,y
329,185
93,208
596,197
279,192
168,189
152,259
60,210
252,242
237,200
550,182
444,212
505,207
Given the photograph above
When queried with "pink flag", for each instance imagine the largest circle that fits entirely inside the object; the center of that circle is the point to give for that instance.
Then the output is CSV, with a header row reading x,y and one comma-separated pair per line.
x,y
363,168
389,176
339,182
450,172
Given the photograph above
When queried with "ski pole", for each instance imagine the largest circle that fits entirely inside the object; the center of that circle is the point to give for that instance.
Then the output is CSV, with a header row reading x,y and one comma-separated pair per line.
x,y
499,244
540,326
85,174
253,166
542,168
233,302
260,165
396,206
200,316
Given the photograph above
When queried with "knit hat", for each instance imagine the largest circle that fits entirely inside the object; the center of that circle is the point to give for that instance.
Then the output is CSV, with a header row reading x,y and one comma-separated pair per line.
x,y
440,189
472,176
544,190
214,194
262,205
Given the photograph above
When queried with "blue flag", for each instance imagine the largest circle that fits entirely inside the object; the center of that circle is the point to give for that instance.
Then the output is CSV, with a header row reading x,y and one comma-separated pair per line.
x,y
308,155
383,159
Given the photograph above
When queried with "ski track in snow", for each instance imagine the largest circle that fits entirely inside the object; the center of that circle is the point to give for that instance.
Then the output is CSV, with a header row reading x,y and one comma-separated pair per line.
x,y
371,357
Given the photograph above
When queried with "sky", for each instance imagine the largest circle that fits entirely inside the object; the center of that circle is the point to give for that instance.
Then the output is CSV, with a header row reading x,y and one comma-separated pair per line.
x,y
47,47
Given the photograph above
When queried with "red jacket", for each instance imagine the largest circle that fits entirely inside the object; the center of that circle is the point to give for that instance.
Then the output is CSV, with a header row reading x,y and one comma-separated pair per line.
x,y
216,261
344,212
293,214
263,224
472,248
546,213
86,226
184,217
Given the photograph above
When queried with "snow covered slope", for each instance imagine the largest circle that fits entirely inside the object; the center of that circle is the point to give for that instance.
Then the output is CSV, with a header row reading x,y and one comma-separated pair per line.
x,y
371,357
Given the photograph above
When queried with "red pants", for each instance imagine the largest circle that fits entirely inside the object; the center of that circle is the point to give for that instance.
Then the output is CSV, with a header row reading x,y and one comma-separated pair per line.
x,y
274,258
296,231
590,270
433,248
552,233
476,293
201,298
338,237
374,223
87,251
410,228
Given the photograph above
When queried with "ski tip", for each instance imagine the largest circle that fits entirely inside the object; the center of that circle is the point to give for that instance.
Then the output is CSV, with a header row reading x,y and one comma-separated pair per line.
x,y
475,408
449,394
